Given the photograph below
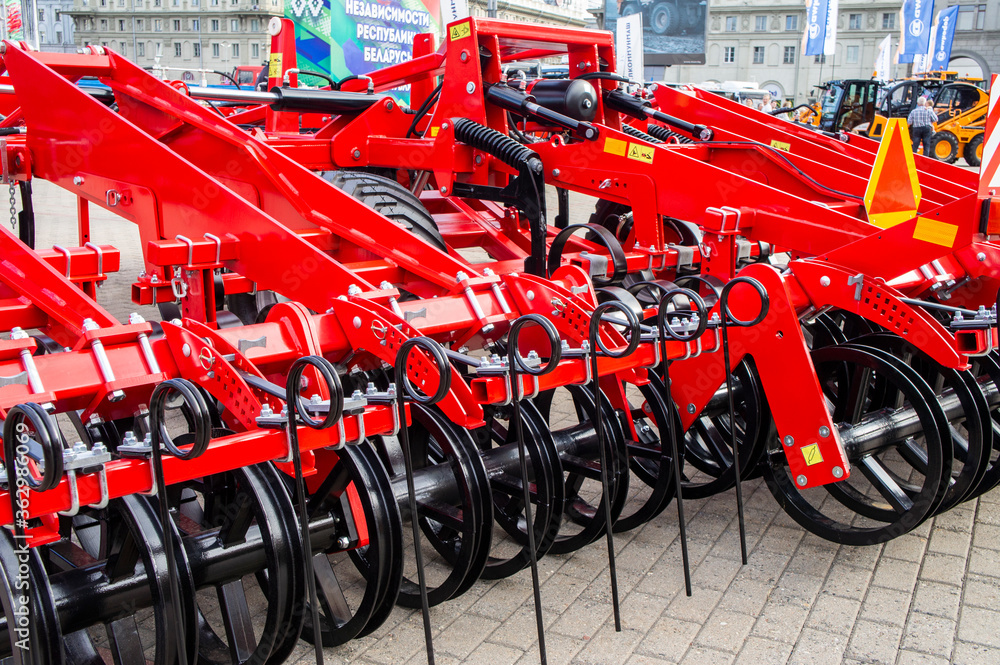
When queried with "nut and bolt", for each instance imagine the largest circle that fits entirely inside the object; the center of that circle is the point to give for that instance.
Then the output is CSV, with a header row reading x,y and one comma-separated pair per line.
x,y
343,542
444,190
464,56
691,408
824,281
981,256
78,180
801,481
555,173
837,472
789,440
479,160
824,431
356,154
470,87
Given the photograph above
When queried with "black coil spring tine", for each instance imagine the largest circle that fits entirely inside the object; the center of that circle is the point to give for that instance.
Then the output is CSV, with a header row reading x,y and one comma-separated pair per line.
x,y
406,391
727,319
665,330
518,365
296,409
597,345
49,439
202,419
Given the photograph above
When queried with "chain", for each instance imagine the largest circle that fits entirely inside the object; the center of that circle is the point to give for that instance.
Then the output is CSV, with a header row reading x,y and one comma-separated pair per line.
x,y
13,207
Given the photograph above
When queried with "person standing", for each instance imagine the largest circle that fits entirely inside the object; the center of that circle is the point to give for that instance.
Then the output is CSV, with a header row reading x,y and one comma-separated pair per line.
x,y
765,105
921,121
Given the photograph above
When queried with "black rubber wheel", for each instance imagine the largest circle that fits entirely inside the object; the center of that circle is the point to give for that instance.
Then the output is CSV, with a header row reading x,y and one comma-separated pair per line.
x,y
944,147
973,152
390,199
663,19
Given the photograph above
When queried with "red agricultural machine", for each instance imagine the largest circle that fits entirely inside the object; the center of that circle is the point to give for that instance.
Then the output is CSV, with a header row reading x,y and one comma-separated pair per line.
x,y
382,374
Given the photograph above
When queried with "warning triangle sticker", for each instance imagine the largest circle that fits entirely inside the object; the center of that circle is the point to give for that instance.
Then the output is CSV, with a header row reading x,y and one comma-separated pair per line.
x,y
893,193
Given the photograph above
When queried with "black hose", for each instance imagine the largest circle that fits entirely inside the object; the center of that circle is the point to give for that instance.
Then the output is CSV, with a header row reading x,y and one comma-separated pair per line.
x,y
424,108
504,148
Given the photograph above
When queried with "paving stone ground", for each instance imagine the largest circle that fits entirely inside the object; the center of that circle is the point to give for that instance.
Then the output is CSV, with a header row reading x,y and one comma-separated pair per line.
x,y
926,598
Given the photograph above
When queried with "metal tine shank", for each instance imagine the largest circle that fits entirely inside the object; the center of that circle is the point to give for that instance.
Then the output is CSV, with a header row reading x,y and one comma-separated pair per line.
x,y
518,365
598,348
406,391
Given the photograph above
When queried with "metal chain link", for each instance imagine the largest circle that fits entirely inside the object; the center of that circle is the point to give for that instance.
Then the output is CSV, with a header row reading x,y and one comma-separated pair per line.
x,y
13,208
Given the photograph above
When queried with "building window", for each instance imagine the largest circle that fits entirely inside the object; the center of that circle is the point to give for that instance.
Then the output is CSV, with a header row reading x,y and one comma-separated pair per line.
x,y
971,17
158,25
104,3
854,22
889,21
255,50
196,25
215,25
852,55
215,50
104,24
141,52
177,49
792,22
197,50
138,24
760,24
177,25
758,55
730,24
59,35
234,25
254,26
124,48
789,55
41,16
729,54
121,25
236,50
819,60
121,3
215,3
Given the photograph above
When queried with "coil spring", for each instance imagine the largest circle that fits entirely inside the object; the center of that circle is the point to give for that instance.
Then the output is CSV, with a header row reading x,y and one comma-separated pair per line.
x,y
639,134
504,148
666,135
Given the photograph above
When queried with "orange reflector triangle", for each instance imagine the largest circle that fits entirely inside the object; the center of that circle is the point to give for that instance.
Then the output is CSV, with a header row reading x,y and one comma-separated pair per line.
x,y
893,193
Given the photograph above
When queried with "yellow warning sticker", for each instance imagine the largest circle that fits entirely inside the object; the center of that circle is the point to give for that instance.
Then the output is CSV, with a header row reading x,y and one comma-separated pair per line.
x,y
641,153
938,233
615,146
434,131
460,31
781,145
811,454
274,67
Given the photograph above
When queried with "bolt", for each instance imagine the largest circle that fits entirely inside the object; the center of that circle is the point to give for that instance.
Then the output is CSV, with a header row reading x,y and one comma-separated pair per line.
x,y
353,290
356,154
800,481
265,410
470,87
129,439
479,160
464,56
824,431
78,180
838,472
343,542
530,295
654,88
444,125
444,190
186,350
789,440
388,105
981,256
824,281
691,408
555,173
587,103
357,321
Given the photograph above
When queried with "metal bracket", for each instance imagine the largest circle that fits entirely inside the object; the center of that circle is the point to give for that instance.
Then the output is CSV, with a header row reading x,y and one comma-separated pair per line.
x,y
858,280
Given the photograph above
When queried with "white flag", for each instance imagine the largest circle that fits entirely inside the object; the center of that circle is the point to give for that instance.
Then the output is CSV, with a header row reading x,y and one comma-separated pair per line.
x,y
628,46
452,10
832,14
883,61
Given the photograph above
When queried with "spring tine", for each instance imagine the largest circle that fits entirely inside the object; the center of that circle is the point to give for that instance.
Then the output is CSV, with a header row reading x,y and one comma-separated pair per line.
x,y
675,452
732,437
515,365
597,346
405,390
155,415
300,495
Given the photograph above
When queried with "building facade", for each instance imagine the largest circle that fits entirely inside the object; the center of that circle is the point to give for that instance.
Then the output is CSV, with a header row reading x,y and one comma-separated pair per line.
x,y
55,25
554,12
183,35
762,44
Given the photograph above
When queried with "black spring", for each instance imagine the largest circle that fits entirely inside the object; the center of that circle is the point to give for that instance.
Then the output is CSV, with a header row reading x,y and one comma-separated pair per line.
x,y
504,148
666,135
639,134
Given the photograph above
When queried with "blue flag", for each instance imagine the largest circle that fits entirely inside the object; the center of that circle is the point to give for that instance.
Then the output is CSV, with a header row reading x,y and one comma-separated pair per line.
x,y
944,37
915,28
816,19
